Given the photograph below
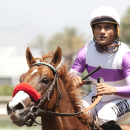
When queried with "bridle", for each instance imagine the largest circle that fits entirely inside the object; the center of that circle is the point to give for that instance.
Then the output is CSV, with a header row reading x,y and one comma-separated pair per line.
x,y
35,111
50,89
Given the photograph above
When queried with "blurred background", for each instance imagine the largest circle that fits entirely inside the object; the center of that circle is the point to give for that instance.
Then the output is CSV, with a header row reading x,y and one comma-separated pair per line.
x,y
43,25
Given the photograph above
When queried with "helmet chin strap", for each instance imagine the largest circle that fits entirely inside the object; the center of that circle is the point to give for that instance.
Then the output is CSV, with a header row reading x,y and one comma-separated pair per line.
x,y
111,48
117,40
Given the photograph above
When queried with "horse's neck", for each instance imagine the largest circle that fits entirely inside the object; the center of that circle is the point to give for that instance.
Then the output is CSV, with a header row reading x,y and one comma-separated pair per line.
x,y
64,123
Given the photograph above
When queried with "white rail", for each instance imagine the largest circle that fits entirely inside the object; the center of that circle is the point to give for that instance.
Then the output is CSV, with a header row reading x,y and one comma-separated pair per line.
x,y
3,103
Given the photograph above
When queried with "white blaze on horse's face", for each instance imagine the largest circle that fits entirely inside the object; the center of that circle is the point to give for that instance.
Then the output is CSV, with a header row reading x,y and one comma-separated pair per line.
x,y
17,99
34,71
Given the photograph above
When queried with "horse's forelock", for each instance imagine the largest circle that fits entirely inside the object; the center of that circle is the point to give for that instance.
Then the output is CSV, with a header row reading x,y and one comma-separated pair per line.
x,y
47,57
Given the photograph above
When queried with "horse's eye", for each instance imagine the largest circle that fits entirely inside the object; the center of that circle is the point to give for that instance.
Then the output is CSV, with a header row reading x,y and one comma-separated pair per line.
x,y
45,81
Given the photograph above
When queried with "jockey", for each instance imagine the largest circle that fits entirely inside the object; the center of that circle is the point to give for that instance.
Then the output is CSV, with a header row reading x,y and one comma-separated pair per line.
x,y
114,56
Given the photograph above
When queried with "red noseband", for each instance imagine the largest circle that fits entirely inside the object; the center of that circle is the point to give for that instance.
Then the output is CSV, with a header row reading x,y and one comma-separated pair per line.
x,y
28,89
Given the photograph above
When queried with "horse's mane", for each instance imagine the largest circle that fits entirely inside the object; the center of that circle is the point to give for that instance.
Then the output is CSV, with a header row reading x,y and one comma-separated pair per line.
x,y
73,92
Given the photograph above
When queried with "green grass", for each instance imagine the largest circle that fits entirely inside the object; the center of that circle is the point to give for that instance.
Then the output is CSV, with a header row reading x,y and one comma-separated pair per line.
x,y
6,90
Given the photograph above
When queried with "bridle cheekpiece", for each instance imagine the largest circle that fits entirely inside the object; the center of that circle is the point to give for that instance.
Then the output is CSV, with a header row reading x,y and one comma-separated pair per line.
x,y
35,110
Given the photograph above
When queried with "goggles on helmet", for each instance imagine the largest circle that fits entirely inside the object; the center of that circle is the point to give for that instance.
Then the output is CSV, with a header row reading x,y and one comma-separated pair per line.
x,y
107,48
103,20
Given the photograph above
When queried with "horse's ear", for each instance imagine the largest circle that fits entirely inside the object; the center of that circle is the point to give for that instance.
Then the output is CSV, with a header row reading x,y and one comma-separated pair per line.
x,y
30,59
56,57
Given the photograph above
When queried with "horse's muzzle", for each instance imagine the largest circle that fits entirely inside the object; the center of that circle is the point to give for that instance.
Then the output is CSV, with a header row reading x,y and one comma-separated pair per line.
x,y
19,107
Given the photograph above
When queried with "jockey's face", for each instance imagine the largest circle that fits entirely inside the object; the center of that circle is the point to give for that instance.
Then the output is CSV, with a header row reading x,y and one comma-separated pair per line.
x,y
104,33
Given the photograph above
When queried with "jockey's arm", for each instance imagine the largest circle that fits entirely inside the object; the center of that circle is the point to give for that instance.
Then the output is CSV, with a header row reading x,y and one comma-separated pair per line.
x,y
123,91
78,67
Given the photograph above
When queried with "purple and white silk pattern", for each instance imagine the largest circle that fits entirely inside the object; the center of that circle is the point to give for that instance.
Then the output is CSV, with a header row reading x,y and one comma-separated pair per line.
x,y
125,90
80,62
126,64
107,74
115,68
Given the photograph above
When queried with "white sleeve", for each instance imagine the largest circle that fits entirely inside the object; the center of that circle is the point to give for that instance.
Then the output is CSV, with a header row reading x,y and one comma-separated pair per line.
x,y
75,73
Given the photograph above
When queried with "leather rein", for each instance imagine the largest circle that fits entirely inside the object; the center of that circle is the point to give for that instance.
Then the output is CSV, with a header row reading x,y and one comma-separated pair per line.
x,y
35,111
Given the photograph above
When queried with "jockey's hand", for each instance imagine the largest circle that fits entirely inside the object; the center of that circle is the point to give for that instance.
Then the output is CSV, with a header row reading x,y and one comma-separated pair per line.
x,y
105,89
77,81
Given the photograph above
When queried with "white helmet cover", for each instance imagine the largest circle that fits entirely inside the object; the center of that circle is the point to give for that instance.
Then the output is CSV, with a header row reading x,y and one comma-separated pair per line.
x,y
105,14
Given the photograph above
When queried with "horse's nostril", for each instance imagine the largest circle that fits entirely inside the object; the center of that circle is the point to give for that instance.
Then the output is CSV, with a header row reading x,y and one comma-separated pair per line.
x,y
8,109
19,106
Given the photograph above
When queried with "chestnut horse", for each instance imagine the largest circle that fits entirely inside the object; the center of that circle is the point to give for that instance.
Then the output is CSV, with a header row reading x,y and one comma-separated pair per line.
x,y
49,93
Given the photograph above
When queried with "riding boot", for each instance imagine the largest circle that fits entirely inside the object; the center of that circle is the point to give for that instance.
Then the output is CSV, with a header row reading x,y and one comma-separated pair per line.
x,y
111,125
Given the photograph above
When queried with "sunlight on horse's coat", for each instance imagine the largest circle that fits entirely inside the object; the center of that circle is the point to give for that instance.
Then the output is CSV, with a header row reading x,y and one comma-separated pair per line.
x,y
34,71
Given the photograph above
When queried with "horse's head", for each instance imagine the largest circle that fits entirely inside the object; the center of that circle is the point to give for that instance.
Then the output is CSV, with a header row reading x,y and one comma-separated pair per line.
x,y
34,86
